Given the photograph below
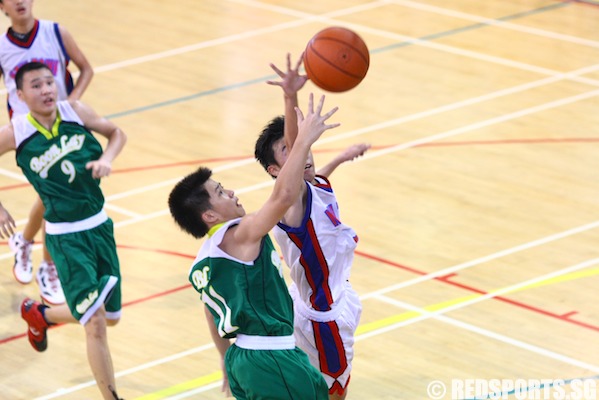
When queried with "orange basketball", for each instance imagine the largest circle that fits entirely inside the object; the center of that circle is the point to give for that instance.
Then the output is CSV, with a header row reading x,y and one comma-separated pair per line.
x,y
336,59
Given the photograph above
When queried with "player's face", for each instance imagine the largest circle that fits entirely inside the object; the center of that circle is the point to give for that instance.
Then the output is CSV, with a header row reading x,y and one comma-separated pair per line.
x,y
39,91
281,153
17,9
223,201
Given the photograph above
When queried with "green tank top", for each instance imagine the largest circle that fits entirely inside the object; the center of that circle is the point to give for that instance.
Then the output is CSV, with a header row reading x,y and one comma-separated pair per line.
x,y
244,298
55,166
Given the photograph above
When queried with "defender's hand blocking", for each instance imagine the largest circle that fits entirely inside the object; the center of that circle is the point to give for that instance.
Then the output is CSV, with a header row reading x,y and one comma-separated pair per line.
x,y
291,81
312,126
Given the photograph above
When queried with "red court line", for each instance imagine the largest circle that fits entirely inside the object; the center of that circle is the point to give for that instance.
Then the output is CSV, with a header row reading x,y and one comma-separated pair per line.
x,y
444,279
179,164
331,150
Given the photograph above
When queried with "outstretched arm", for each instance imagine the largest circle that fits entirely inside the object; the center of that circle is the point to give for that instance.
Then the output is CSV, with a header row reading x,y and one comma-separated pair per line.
x,y
291,83
86,72
348,154
116,138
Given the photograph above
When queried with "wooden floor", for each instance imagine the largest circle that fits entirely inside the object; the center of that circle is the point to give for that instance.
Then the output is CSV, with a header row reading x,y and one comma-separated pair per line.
x,y
476,207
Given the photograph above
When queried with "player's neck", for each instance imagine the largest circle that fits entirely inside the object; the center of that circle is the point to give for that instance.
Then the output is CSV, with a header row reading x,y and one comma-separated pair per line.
x,y
23,26
45,119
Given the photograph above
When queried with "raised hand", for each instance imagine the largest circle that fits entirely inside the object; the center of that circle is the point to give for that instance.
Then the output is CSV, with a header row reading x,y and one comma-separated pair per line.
x,y
291,81
353,151
312,125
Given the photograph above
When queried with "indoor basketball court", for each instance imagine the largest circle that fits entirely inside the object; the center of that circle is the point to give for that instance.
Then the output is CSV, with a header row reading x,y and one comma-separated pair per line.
x,y
476,206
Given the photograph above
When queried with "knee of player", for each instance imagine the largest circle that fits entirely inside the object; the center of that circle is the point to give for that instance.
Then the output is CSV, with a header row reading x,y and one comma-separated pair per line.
x,y
112,322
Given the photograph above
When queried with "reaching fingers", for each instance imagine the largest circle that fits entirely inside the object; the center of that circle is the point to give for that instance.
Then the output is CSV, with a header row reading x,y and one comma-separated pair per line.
x,y
277,70
299,62
320,105
328,115
300,115
311,103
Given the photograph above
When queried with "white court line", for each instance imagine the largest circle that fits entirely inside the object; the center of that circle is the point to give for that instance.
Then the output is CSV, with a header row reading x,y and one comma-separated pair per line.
x,y
329,19
478,330
425,314
382,152
495,293
141,367
306,19
481,124
121,210
490,257
162,213
387,124
498,23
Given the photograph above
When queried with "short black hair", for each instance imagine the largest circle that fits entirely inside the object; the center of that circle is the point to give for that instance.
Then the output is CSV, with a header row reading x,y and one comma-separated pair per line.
x,y
30,66
271,133
188,200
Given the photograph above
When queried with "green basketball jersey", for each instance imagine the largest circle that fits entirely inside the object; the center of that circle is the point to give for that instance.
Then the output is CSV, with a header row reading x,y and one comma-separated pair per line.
x,y
54,163
248,298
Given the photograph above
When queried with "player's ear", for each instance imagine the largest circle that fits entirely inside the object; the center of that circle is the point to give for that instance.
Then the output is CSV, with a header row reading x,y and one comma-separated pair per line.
x,y
209,217
273,170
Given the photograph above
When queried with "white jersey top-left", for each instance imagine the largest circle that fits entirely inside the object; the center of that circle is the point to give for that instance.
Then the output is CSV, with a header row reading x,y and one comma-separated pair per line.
x,y
45,45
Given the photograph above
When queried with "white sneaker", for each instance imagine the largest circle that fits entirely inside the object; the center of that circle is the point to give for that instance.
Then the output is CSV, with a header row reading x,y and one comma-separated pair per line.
x,y
23,268
50,287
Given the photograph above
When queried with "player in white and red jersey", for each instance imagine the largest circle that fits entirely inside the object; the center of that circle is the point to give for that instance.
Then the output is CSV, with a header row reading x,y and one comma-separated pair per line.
x,y
29,39
317,247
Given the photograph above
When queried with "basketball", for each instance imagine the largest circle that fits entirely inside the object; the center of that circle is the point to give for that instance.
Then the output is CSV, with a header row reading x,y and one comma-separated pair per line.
x,y
336,59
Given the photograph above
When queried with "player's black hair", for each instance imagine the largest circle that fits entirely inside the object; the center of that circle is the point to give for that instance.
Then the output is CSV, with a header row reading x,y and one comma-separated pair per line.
x,y
188,200
272,132
30,66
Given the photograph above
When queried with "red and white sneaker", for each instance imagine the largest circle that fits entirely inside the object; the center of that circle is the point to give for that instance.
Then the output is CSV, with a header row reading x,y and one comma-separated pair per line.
x,y
23,268
50,287
37,324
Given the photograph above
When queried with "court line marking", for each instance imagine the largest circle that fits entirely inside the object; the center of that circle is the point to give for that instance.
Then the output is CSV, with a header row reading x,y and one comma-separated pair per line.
x,y
308,18
475,329
452,321
394,122
365,331
305,19
423,41
499,22
546,281
491,121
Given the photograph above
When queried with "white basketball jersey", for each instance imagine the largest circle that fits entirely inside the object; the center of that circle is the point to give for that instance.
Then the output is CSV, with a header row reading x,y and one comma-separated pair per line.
x,y
320,252
43,45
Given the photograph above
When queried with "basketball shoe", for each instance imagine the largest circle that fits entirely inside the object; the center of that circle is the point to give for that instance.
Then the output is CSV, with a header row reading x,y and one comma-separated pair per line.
x,y
50,287
31,312
23,268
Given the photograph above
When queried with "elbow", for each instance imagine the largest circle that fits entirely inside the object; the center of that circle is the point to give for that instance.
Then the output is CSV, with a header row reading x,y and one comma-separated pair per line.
x,y
123,136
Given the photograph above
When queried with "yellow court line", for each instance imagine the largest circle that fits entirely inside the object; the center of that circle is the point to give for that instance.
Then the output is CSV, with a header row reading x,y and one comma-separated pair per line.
x,y
382,323
183,387
372,326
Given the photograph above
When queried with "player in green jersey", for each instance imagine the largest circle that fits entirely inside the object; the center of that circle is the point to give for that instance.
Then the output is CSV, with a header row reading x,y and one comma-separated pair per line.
x,y
238,275
64,162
